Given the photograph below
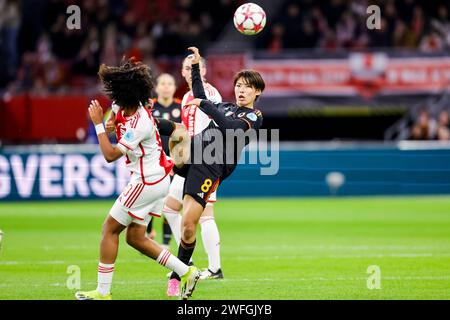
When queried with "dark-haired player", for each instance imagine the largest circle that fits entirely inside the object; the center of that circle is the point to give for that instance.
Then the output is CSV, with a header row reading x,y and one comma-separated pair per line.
x,y
130,85
203,178
195,121
167,107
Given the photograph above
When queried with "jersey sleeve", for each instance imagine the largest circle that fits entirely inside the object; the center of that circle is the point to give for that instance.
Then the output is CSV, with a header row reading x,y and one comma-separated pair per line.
x,y
212,94
197,84
130,140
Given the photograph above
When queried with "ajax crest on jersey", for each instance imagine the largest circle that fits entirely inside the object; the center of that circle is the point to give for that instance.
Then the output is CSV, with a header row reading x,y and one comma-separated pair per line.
x,y
249,19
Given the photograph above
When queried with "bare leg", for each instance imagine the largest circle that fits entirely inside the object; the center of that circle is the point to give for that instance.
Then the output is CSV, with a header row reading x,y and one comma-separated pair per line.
x,y
137,239
191,215
109,244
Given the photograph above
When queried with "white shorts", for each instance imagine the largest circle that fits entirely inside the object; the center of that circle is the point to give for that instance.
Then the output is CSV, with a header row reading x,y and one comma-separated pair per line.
x,y
176,190
138,202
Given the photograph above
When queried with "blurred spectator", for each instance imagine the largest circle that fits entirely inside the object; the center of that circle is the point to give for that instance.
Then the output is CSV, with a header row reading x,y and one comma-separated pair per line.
x,y
109,55
308,36
431,43
418,23
441,24
425,127
88,59
292,24
403,37
319,22
329,41
346,29
275,42
381,37
443,131
333,10
9,28
390,14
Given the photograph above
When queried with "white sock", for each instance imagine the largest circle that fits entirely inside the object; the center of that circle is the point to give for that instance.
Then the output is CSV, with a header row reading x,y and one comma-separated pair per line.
x,y
174,219
105,276
211,242
171,262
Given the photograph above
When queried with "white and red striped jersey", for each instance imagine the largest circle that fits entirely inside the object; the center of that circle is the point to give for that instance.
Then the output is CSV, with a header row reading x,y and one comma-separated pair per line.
x,y
193,118
139,140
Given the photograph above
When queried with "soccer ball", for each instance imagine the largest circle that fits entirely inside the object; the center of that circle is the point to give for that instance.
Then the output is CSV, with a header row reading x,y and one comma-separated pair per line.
x,y
249,19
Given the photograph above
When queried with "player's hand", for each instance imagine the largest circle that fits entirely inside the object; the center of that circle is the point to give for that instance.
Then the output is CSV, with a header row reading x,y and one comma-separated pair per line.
x,y
96,112
195,102
109,126
196,55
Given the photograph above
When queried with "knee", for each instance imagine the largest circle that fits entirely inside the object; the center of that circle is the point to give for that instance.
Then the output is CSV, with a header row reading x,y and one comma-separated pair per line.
x,y
189,229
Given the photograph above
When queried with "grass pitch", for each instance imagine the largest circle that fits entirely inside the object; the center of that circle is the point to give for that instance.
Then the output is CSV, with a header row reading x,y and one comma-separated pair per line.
x,y
271,249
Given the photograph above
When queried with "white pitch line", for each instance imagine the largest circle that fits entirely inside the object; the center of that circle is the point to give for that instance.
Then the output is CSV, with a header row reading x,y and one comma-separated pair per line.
x,y
256,258
290,280
338,247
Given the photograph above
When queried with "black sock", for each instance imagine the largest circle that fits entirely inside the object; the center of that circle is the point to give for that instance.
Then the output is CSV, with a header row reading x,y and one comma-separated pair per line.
x,y
185,251
150,226
167,232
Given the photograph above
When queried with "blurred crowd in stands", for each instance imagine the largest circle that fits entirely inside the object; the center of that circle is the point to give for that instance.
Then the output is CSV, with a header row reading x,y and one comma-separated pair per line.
x,y
427,127
38,53
341,24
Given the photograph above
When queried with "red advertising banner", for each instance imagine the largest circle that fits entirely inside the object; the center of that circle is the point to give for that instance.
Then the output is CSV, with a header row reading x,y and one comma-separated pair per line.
x,y
360,74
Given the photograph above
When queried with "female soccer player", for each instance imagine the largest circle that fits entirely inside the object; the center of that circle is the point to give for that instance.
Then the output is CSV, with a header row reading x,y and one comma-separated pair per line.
x,y
203,178
130,85
195,121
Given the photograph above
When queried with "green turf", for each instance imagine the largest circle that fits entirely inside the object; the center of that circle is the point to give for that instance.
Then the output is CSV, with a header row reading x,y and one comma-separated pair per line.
x,y
271,249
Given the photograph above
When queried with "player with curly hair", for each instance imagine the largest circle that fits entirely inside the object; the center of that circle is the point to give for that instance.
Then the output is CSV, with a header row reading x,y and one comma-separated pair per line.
x,y
129,85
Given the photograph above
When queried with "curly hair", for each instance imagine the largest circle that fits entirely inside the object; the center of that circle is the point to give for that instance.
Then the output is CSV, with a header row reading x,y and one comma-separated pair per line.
x,y
129,84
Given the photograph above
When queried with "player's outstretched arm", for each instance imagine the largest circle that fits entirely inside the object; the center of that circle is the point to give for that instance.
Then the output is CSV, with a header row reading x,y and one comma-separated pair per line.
x,y
109,152
197,83
223,122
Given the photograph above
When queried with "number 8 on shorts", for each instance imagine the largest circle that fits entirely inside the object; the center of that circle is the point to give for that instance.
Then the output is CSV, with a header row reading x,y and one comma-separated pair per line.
x,y
206,185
